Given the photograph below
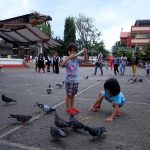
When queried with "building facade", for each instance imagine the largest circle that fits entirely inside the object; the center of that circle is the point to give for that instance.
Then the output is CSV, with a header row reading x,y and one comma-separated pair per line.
x,y
139,36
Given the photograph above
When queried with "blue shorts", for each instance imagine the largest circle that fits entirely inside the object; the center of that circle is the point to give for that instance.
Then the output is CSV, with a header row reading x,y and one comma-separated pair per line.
x,y
71,88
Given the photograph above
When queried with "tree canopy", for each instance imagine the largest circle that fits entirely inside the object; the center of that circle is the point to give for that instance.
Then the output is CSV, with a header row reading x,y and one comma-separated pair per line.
x,y
69,31
46,28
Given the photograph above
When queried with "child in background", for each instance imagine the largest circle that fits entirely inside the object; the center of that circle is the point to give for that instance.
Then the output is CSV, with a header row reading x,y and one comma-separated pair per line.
x,y
147,67
72,76
113,95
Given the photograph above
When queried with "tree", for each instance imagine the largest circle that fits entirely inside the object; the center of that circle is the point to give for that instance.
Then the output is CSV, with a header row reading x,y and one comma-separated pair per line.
x,y
69,31
88,33
146,54
118,46
46,28
99,47
60,49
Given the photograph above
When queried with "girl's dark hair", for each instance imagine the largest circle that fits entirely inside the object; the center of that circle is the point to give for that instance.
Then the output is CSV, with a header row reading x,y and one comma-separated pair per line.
x,y
72,45
124,54
113,86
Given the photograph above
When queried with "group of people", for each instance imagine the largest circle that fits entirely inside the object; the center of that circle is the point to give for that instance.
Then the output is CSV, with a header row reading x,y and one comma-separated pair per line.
x,y
111,93
114,62
118,64
41,62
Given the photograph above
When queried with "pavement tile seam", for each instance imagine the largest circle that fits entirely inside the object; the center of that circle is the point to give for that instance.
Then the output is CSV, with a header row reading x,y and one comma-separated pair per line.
x,y
18,145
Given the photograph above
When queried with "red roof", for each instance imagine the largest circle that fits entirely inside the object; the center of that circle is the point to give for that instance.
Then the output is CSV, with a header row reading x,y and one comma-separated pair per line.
x,y
124,34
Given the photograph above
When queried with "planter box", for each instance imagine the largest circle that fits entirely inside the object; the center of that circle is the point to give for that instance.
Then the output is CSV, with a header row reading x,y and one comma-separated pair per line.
x,y
12,63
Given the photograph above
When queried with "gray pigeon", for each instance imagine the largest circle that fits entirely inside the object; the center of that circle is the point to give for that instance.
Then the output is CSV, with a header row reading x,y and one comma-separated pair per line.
x,y
75,123
86,77
59,122
7,99
140,80
60,84
95,131
57,132
49,90
21,118
45,108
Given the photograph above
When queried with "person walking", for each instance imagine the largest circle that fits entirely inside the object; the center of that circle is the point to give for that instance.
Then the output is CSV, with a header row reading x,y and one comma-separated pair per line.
x,y
134,62
111,62
116,63
123,64
99,64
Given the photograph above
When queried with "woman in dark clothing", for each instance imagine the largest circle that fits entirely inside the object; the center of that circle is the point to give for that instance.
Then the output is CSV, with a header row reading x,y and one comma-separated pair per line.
x,y
41,61
56,60
116,63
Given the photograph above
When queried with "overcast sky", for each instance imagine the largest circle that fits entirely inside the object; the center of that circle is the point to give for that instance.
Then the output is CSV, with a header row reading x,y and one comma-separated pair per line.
x,y
109,15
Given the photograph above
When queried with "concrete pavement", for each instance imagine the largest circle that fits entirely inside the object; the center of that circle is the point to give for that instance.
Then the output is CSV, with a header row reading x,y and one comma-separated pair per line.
x,y
129,132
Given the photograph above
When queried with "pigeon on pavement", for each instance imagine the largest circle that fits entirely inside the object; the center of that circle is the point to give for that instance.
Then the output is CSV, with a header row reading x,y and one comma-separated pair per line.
x,y
60,84
61,123
86,77
21,118
75,123
140,80
45,108
57,132
95,131
7,99
49,90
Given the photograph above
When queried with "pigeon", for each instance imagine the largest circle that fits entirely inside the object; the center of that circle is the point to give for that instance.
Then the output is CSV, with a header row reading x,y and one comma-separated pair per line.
x,y
95,131
130,79
60,84
86,77
21,118
59,122
140,80
7,99
49,90
75,123
45,108
57,132
133,80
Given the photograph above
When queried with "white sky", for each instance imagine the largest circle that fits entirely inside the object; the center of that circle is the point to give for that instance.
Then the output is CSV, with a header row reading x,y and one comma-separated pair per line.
x,y
109,15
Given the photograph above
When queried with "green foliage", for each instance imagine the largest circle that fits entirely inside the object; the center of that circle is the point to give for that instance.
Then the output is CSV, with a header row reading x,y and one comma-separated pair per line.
x,y
127,52
87,32
146,53
98,47
69,31
60,49
46,28
118,46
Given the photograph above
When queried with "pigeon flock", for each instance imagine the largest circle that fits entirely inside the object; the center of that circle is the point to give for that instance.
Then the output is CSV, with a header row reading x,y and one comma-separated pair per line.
x,y
59,130
61,125
135,80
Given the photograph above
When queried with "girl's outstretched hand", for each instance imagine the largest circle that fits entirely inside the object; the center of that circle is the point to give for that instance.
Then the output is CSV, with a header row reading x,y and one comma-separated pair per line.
x,y
109,119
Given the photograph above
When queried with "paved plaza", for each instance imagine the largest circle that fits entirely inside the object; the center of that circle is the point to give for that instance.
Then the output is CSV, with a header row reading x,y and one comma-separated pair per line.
x,y
131,131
